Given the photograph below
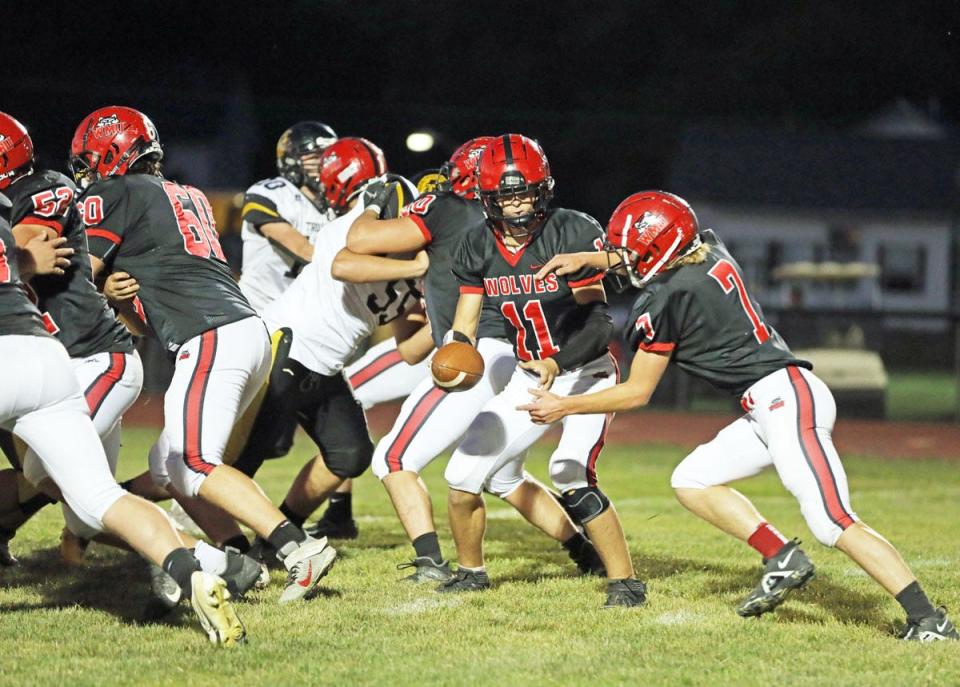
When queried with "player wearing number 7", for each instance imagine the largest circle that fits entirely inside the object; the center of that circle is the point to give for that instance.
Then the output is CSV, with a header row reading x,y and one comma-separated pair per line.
x,y
163,235
694,309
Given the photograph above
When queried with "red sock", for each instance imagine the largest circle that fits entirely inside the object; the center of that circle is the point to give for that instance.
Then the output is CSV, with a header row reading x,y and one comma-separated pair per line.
x,y
767,540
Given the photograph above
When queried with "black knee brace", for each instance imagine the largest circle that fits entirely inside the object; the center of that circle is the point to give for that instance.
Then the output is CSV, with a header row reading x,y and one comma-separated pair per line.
x,y
585,503
349,463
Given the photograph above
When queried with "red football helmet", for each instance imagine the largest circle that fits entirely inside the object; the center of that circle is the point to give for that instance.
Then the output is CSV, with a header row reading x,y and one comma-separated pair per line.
x,y
648,230
109,140
460,171
514,165
345,169
16,150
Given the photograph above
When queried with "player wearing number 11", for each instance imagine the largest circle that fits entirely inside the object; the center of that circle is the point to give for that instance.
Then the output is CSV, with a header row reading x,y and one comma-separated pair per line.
x,y
693,308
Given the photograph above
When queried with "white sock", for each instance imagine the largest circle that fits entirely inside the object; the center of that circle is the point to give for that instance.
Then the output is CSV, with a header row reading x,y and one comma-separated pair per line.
x,y
212,560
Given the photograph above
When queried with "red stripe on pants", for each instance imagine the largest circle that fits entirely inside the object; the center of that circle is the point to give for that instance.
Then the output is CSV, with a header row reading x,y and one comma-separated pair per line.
x,y
193,408
421,411
598,446
814,452
101,387
379,364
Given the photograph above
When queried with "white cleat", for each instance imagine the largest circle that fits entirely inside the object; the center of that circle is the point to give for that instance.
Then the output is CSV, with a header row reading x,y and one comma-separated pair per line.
x,y
306,565
211,602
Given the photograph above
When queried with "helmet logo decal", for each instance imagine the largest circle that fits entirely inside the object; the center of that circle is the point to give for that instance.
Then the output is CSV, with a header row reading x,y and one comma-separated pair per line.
x,y
347,172
107,127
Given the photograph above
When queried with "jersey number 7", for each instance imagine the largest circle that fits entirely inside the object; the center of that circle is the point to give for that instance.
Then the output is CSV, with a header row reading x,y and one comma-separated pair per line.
x,y
195,219
729,279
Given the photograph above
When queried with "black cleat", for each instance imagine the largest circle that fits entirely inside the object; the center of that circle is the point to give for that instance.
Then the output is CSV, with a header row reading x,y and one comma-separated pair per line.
x,y
242,573
625,593
466,581
932,628
166,594
588,561
333,529
789,569
263,552
427,570
7,559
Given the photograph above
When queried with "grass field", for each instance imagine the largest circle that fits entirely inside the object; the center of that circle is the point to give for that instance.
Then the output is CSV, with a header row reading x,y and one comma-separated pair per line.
x,y
539,625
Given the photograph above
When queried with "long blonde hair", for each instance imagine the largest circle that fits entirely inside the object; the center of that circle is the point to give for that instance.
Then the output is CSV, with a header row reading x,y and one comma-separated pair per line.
x,y
695,257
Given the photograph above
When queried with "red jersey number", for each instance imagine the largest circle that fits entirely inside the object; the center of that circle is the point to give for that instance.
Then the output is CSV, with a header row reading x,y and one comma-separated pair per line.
x,y
195,220
54,202
533,312
4,266
729,279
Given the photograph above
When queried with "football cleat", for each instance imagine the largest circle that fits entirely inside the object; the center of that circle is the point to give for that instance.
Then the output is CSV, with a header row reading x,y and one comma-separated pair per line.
x,y
466,581
211,602
7,559
427,570
789,569
166,594
333,529
73,549
261,550
589,562
242,573
625,593
932,628
306,565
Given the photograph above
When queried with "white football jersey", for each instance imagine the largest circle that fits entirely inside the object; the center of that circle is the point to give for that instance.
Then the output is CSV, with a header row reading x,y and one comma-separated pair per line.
x,y
268,270
331,319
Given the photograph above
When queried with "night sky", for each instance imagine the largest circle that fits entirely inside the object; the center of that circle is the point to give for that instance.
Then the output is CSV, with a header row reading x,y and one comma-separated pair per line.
x,y
607,90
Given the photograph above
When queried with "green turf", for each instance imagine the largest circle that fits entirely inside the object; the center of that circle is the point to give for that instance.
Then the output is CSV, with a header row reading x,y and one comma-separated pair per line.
x,y
540,624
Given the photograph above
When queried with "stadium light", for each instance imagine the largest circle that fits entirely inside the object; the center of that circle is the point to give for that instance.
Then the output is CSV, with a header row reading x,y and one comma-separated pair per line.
x,y
420,141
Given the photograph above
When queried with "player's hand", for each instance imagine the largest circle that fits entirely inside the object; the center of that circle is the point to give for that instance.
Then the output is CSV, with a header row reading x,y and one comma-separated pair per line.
x,y
568,263
547,370
546,408
377,194
49,256
120,287
422,261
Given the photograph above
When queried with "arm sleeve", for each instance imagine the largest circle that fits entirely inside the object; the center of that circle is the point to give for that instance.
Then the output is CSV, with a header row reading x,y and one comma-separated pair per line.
x,y
468,264
587,237
653,323
105,214
258,210
591,339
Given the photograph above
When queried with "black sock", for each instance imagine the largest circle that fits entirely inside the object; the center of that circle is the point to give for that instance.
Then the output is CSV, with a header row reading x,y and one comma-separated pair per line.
x,y
915,602
285,538
292,515
428,546
340,507
34,503
180,564
575,544
239,542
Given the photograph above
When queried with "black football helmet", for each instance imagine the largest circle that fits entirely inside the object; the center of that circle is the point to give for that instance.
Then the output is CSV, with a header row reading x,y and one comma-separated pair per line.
x,y
303,138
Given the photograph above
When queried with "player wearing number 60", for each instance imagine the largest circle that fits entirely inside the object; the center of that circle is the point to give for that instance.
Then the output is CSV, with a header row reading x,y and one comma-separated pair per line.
x,y
163,235
694,309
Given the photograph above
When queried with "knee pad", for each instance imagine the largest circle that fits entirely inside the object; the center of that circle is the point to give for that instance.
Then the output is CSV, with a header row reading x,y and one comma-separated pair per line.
x,y
567,473
76,525
685,475
585,503
824,529
351,462
504,485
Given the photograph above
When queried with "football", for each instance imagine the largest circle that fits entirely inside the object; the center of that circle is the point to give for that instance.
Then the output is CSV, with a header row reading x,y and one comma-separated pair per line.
x,y
456,366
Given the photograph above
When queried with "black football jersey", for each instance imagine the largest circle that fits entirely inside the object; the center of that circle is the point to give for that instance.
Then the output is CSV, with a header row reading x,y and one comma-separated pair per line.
x,y
542,315
163,234
18,315
70,304
704,316
445,220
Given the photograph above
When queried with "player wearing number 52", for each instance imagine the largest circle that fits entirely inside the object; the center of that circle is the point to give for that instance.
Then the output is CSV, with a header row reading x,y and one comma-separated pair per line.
x,y
163,235
693,308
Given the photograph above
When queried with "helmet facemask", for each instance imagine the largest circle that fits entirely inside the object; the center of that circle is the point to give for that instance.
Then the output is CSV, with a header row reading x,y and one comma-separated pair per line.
x,y
513,186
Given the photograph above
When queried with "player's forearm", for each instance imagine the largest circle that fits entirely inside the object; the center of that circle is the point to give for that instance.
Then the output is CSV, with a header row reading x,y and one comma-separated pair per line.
x,y
415,348
466,320
294,244
363,269
363,234
130,318
620,397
